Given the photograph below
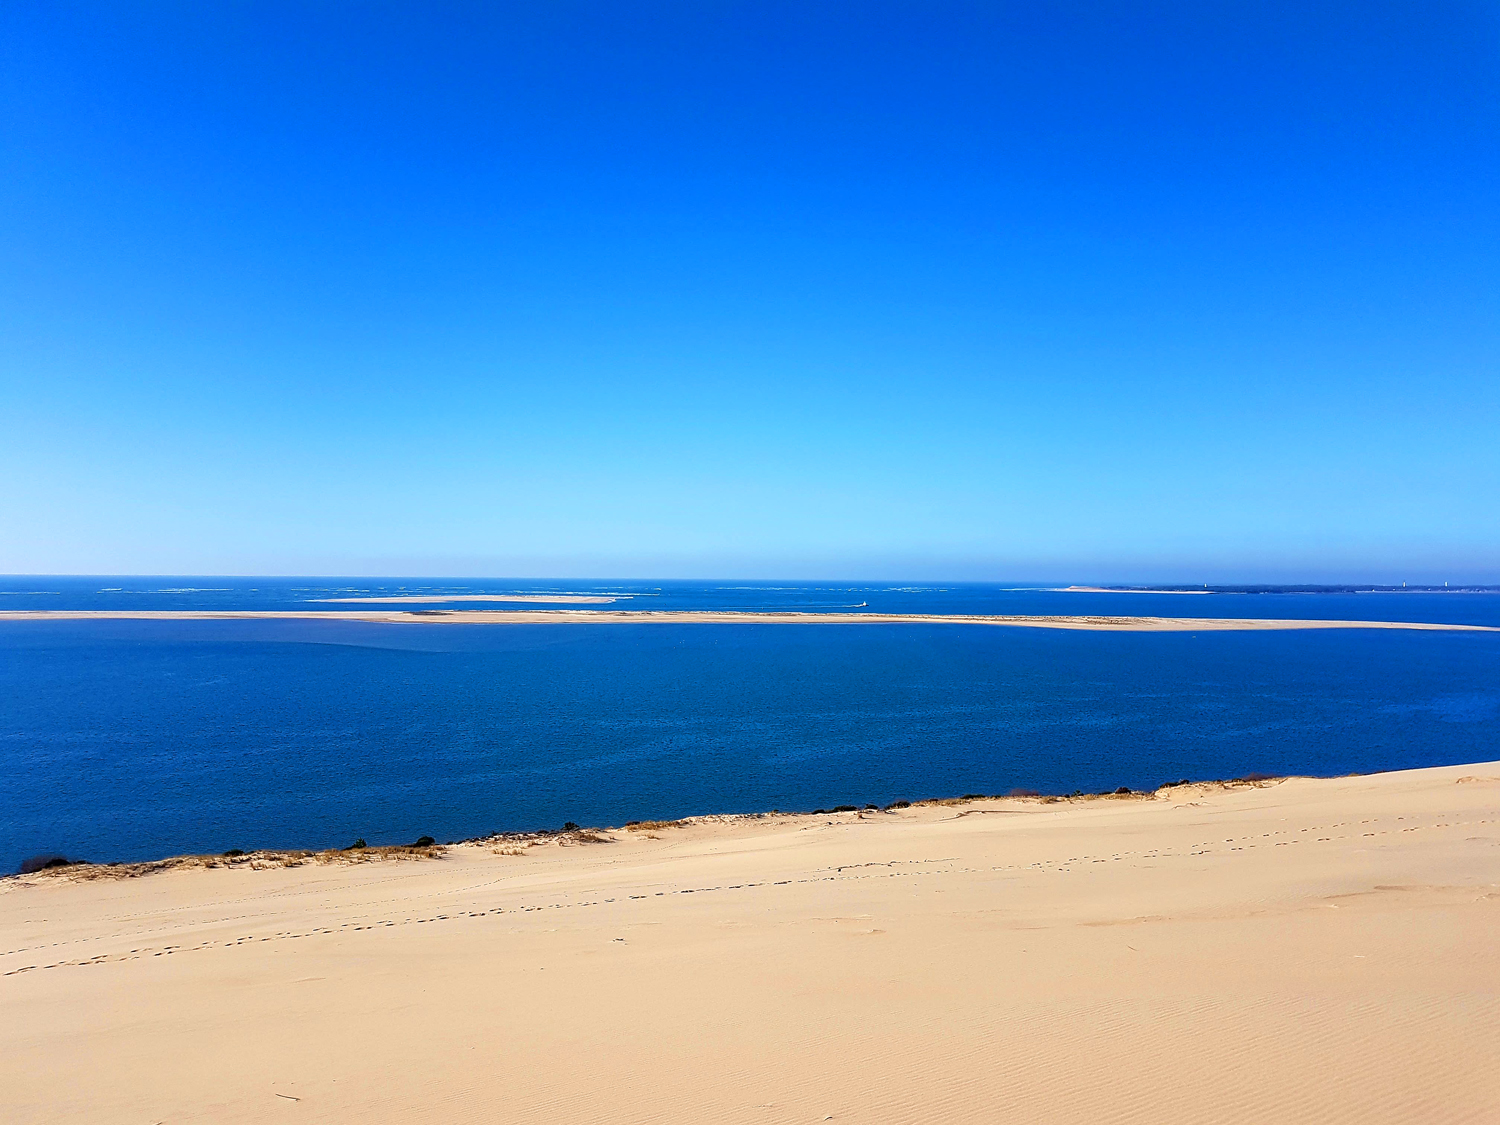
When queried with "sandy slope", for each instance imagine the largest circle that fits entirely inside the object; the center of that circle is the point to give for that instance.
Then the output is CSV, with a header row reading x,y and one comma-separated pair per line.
x,y
1308,951
727,617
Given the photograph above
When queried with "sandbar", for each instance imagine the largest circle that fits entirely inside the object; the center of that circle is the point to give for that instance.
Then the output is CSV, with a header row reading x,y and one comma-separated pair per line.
x,y
550,599
1304,950
731,617
1122,590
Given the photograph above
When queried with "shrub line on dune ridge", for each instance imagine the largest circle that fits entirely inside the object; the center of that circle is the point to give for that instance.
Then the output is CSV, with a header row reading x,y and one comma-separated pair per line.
x,y
51,866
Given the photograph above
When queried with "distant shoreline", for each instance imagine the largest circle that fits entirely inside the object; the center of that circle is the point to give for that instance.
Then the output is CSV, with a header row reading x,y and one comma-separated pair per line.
x,y
1094,623
1273,589
545,599
1122,590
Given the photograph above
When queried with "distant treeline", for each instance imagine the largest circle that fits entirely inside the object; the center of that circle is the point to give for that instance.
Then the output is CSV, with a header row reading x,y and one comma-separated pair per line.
x,y
1310,589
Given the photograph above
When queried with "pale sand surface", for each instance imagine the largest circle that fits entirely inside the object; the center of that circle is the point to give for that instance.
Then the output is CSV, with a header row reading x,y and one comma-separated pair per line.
x,y
726,617
1122,590
1301,951
551,599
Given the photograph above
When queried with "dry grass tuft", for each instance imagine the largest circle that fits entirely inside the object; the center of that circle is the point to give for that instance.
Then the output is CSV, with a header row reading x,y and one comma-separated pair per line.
x,y
654,825
374,855
253,861
1250,781
589,836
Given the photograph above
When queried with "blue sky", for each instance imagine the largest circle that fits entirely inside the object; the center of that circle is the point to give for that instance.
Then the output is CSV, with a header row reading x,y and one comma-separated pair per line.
x,y
1203,292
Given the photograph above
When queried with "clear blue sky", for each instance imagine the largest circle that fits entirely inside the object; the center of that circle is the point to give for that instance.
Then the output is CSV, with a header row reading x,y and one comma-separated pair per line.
x,y
1154,291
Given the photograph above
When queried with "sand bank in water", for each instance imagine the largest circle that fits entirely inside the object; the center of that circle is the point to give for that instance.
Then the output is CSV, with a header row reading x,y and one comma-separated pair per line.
x,y
712,617
549,599
1300,951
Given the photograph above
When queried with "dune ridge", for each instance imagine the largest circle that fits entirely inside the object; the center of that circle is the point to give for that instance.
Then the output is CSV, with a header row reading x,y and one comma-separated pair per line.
x,y
1300,950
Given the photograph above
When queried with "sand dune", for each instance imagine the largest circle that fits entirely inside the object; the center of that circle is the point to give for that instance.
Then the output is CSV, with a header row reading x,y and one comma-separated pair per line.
x,y
1301,951
729,617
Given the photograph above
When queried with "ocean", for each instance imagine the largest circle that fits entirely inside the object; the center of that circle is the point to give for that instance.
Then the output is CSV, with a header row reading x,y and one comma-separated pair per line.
x,y
128,740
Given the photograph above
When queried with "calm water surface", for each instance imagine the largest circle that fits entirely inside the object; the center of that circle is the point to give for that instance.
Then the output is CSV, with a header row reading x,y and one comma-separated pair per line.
x,y
126,740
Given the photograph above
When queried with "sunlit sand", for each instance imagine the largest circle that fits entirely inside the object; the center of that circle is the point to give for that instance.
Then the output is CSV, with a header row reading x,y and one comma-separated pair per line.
x,y
1292,951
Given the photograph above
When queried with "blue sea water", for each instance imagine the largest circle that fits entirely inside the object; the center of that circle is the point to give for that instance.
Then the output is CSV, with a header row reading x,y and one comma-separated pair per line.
x,y
124,740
